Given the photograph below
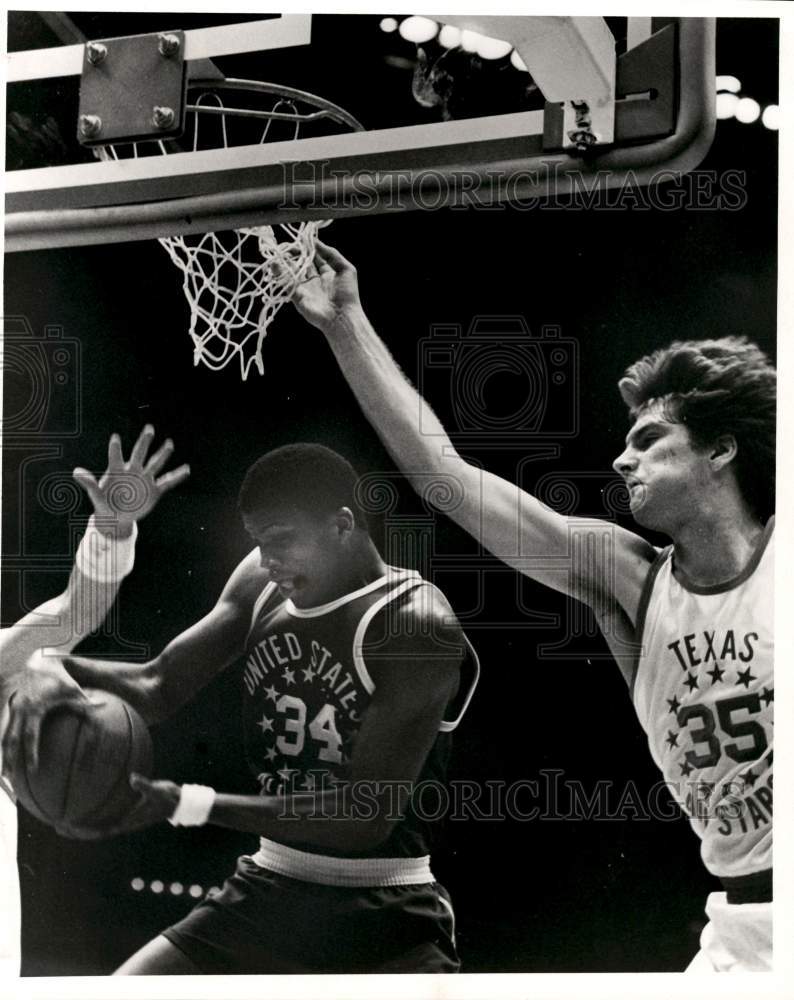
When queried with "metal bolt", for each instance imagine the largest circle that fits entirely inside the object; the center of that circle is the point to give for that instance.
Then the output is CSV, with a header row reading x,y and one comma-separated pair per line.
x,y
582,140
162,117
96,53
168,45
90,125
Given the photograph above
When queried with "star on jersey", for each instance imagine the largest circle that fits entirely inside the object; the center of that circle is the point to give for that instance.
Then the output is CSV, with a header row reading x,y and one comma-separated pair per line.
x,y
289,675
308,674
767,695
674,704
749,777
690,682
271,693
686,769
270,753
672,738
265,724
716,674
308,783
744,677
285,773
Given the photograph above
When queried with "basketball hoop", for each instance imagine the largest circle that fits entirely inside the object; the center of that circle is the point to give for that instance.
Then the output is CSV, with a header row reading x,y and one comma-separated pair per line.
x,y
235,281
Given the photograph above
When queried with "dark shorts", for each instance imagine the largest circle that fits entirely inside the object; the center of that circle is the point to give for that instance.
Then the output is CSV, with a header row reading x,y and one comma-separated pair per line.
x,y
260,923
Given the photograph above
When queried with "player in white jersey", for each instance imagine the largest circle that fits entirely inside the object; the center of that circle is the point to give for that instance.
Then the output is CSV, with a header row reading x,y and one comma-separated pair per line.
x,y
31,682
699,467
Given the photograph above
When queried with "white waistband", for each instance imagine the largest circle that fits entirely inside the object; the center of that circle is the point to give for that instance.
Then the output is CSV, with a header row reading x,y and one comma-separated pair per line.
x,y
353,872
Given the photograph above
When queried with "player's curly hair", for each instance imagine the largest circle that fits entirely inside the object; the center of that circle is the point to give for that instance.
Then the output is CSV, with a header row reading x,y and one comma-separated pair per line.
x,y
309,478
724,386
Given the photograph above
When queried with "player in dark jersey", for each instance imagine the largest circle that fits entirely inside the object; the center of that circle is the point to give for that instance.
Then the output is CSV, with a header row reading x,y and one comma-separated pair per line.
x,y
353,674
690,626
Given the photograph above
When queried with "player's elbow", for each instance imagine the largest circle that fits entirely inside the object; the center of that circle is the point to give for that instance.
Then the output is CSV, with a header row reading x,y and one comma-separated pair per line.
x,y
442,478
154,704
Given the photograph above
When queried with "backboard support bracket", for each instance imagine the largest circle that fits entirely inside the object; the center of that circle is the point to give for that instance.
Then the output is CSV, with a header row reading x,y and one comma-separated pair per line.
x,y
132,89
645,88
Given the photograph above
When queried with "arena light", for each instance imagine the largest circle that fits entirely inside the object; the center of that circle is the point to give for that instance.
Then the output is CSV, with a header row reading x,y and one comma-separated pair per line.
x,y
726,105
388,24
176,888
771,117
157,886
468,40
729,83
449,36
418,29
518,62
137,884
747,111
492,48
195,891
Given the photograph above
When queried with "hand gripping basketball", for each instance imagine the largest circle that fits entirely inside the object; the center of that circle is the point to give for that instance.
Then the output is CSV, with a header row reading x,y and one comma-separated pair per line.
x,y
81,784
44,685
156,802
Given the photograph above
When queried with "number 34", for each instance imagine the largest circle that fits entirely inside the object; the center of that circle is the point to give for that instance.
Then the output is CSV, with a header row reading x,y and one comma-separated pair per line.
x,y
322,728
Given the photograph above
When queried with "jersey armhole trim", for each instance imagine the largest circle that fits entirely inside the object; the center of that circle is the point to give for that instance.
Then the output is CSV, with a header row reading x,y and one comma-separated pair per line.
x,y
259,603
447,726
7,787
642,611
363,625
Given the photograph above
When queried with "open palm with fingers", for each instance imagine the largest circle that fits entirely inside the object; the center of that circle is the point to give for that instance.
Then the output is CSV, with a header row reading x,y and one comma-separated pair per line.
x,y
130,489
330,287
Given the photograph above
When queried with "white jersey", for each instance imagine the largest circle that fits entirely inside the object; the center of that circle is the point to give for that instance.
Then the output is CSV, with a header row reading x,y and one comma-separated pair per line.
x,y
703,691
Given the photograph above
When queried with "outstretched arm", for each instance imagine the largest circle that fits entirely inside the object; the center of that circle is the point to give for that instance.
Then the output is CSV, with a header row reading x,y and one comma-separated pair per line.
x,y
156,689
511,523
33,682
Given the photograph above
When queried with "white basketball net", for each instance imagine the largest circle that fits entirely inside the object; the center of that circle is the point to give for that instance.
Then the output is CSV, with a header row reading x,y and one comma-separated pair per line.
x,y
235,282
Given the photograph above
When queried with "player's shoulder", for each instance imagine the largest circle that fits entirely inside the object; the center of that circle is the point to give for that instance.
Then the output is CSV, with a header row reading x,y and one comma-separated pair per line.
x,y
420,621
425,603
247,581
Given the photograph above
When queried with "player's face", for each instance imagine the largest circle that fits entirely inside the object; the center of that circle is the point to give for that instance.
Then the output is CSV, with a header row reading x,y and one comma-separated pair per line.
x,y
667,476
301,552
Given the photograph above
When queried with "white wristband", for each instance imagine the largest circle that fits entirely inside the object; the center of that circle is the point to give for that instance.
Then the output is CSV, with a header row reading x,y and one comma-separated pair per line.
x,y
195,806
104,558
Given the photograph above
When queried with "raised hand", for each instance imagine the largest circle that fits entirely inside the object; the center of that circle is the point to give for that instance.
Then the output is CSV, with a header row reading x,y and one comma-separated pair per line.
x,y
329,289
130,489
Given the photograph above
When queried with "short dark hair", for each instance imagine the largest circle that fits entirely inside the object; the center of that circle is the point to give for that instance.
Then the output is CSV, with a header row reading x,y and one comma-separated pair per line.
x,y
309,478
723,386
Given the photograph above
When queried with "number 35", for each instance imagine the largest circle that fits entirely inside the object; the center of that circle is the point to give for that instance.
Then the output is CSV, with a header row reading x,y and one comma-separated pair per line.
x,y
705,735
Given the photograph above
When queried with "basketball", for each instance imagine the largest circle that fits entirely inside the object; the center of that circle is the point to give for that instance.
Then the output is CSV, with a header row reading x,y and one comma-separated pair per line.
x,y
81,784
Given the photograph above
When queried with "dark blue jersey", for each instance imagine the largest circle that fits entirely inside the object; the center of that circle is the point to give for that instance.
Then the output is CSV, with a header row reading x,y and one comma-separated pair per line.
x,y
306,688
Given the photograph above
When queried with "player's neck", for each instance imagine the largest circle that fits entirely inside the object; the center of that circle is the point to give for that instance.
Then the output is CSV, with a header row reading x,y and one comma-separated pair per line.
x,y
362,566
714,546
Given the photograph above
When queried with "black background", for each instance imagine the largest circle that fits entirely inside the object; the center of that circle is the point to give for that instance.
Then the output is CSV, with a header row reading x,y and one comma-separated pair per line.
x,y
612,895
